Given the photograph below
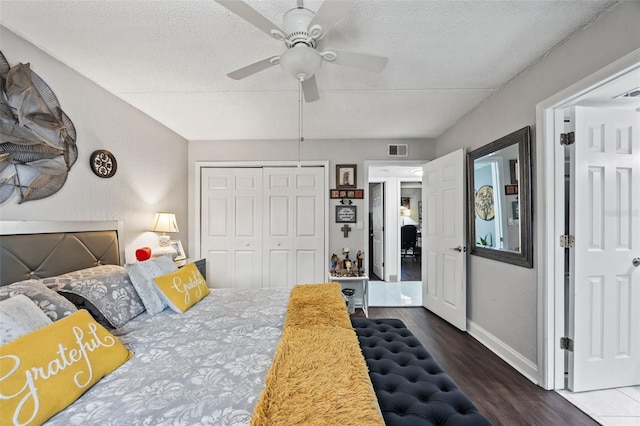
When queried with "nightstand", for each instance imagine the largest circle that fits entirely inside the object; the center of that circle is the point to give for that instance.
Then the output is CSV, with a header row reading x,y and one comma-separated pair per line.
x,y
360,285
201,264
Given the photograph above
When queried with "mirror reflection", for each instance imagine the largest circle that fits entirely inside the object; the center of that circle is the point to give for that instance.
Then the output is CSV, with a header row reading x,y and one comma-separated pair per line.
x,y
497,219
499,214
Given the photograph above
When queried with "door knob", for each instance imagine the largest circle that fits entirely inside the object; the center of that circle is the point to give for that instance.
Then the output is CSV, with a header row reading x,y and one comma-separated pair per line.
x,y
636,262
458,249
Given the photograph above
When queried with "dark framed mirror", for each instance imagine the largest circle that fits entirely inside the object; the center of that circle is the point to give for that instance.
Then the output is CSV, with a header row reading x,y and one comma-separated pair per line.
x,y
499,199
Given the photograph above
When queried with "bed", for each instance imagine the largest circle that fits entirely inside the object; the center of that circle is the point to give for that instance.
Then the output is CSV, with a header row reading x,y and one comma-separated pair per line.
x,y
233,357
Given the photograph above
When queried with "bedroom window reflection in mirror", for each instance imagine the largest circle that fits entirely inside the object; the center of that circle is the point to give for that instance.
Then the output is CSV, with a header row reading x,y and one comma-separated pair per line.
x,y
499,202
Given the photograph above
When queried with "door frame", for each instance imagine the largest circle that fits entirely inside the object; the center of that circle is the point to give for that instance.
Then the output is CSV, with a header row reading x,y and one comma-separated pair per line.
x,y
196,215
392,216
550,197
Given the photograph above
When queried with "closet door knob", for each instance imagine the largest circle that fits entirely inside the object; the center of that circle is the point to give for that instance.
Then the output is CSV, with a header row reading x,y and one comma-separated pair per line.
x,y
636,262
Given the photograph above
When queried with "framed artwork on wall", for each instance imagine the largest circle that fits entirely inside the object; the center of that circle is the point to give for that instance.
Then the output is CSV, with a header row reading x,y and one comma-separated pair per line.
x,y
346,214
346,175
405,202
346,193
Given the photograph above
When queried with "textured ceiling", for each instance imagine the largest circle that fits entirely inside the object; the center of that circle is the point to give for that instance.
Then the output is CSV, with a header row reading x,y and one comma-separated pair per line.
x,y
170,59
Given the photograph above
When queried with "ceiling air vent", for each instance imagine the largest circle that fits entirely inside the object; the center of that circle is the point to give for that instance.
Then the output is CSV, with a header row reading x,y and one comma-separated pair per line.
x,y
398,150
633,93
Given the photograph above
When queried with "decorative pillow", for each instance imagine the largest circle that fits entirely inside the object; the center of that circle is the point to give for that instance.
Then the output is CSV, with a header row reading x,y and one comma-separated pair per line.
x,y
142,275
71,356
19,315
182,289
110,297
54,283
51,303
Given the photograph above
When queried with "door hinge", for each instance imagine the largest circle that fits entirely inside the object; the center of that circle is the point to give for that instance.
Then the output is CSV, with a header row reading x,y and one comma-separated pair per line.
x,y
566,344
567,241
567,138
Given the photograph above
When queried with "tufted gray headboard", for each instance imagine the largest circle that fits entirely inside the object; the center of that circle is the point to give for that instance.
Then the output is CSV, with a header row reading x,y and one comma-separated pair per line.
x,y
35,249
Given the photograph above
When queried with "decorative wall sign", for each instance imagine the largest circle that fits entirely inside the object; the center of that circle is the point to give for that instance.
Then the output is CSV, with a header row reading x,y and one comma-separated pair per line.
x,y
37,139
347,193
484,203
346,175
103,163
346,214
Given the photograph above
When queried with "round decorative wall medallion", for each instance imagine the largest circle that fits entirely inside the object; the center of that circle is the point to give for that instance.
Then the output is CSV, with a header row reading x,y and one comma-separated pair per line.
x,y
484,203
103,163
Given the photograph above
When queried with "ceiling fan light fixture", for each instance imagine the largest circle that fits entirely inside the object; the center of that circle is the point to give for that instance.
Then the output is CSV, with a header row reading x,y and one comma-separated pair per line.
x,y
301,61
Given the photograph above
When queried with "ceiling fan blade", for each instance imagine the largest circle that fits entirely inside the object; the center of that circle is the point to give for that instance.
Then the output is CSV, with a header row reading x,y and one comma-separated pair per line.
x,y
243,72
326,17
252,16
310,89
361,61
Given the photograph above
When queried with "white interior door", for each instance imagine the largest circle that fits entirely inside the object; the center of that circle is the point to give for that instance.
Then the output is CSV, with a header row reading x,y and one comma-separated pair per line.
x,y
444,277
605,220
293,226
231,240
377,217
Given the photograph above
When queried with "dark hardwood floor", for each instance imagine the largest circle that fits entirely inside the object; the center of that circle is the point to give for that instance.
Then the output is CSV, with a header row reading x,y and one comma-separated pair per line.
x,y
410,269
502,394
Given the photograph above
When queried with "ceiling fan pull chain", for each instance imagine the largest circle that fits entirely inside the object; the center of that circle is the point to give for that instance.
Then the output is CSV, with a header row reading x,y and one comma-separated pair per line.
x,y
300,113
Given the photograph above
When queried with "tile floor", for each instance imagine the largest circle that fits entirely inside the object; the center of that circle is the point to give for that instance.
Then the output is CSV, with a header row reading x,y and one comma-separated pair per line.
x,y
609,407
402,293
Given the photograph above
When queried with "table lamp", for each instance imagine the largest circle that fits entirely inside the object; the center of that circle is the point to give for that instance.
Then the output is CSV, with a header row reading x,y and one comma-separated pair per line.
x,y
165,222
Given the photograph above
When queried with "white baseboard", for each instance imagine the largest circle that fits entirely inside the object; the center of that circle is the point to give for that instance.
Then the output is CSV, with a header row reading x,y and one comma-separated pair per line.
x,y
504,351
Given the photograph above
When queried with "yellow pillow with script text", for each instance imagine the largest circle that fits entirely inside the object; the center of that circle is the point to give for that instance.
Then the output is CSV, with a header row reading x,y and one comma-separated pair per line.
x,y
182,289
43,372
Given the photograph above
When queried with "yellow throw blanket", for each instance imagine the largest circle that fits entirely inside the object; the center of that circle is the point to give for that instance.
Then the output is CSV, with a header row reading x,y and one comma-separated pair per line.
x,y
318,375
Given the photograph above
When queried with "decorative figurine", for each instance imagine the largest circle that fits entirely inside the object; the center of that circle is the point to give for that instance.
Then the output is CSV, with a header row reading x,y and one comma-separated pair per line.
x,y
334,262
347,263
360,262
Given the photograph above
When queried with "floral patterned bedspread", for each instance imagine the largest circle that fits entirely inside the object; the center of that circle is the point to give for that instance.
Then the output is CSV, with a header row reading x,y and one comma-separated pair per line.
x,y
204,367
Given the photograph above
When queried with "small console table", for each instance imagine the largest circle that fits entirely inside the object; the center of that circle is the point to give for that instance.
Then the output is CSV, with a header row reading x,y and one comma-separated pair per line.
x,y
360,285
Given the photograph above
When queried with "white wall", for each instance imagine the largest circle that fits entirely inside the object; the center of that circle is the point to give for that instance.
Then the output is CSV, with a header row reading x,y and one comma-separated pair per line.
x,y
334,151
502,299
152,160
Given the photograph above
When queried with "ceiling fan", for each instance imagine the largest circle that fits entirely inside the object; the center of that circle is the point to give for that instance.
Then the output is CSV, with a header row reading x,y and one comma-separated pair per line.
x,y
301,30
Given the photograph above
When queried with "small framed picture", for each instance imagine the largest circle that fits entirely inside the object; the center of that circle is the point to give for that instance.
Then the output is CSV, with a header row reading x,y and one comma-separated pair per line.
x,y
346,214
346,175
511,190
176,244
514,171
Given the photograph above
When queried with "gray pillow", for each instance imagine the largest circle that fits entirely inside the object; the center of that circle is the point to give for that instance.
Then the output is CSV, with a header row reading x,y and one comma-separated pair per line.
x,y
51,303
54,283
109,297
142,275
19,315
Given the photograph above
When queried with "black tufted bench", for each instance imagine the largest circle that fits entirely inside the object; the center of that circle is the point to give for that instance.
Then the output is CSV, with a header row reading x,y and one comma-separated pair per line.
x,y
411,387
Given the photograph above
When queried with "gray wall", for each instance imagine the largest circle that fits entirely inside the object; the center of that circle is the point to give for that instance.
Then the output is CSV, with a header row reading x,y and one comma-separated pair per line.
x,y
152,160
334,151
502,299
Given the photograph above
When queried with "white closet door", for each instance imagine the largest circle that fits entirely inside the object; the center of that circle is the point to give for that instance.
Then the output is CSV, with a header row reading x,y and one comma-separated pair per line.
x,y
231,202
605,279
309,236
293,226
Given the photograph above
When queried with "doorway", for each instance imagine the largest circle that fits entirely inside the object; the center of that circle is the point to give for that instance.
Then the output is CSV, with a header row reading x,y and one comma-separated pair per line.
x,y
391,284
410,230
602,90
